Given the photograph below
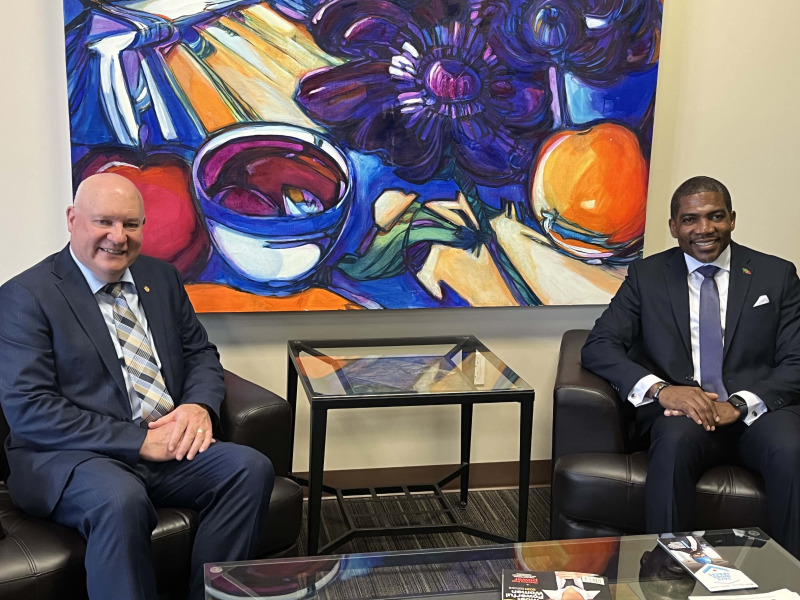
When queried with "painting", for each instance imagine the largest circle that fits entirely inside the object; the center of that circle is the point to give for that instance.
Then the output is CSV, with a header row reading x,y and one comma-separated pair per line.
x,y
374,154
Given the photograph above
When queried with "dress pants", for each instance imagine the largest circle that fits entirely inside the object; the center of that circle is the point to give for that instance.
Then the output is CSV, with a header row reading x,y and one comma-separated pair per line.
x,y
113,506
681,451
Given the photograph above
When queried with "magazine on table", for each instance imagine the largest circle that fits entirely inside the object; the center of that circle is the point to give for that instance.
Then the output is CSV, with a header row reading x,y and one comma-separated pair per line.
x,y
700,558
553,585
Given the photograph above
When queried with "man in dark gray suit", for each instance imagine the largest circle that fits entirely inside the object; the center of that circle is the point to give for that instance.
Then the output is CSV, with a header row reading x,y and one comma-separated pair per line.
x,y
710,331
111,390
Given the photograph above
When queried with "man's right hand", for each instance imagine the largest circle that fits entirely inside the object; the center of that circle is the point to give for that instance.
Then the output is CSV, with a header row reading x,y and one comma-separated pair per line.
x,y
156,445
692,401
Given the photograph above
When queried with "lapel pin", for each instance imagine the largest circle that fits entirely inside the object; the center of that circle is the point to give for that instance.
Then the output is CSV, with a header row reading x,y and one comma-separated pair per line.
x,y
147,287
745,271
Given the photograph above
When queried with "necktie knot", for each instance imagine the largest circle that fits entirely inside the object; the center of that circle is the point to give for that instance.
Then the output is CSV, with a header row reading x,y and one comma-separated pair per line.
x,y
708,270
114,289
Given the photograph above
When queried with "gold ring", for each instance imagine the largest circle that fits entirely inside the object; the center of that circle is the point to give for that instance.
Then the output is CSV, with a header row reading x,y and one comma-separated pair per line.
x,y
200,431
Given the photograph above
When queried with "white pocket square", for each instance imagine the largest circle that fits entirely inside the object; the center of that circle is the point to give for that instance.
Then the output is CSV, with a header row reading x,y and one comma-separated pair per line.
x,y
761,300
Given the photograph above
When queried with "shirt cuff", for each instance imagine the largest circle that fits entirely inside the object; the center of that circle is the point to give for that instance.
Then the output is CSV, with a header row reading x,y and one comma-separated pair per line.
x,y
755,406
637,396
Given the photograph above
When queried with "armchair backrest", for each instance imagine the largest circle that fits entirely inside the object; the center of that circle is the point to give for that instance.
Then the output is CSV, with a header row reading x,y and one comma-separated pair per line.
x,y
588,415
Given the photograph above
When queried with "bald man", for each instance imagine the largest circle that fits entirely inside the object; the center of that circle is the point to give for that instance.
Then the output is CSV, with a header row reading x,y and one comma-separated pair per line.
x,y
111,390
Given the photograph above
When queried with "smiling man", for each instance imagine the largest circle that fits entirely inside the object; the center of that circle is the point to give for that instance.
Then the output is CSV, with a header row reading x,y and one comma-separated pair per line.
x,y
704,340
111,389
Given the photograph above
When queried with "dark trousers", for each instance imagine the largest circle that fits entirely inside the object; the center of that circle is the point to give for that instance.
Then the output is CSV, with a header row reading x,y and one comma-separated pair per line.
x,y
113,506
681,451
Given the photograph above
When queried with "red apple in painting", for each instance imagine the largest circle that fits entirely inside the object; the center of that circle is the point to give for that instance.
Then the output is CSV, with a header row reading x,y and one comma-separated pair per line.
x,y
173,231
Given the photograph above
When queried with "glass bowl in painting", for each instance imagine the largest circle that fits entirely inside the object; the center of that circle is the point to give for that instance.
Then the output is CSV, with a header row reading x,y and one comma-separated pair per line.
x,y
274,199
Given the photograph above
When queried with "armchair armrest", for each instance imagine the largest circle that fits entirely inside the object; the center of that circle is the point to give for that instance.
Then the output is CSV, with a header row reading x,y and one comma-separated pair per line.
x,y
254,416
587,414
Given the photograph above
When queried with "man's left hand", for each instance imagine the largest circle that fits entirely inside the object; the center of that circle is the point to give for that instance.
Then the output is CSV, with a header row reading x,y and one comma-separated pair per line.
x,y
728,413
725,410
192,432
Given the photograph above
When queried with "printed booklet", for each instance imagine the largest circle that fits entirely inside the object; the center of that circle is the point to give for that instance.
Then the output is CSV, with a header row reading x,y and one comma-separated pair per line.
x,y
700,558
553,585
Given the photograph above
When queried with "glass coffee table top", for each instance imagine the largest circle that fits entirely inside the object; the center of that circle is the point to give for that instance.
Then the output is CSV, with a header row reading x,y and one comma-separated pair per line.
x,y
443,365
635,565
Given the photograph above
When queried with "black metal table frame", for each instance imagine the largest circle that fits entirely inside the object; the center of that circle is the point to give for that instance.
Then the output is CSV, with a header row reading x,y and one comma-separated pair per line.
x,y
467,400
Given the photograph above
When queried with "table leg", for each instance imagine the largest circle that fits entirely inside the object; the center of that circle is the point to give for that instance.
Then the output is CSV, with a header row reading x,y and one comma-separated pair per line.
x,y
466,445
525,435
319,419
291,398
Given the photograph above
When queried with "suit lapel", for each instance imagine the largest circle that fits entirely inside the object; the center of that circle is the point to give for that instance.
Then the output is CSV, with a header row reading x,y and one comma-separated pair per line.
x,y
678,290
152,300
738,284
72,284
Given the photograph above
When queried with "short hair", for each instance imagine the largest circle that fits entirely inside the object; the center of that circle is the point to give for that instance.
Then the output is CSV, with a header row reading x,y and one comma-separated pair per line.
x,y
698,185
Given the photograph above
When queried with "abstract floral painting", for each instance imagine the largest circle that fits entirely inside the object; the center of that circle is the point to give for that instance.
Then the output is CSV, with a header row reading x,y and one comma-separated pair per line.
x,y
366,154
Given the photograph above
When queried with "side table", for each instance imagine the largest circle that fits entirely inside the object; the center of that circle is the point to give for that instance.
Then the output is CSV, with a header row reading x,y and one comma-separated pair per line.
x,y
460,370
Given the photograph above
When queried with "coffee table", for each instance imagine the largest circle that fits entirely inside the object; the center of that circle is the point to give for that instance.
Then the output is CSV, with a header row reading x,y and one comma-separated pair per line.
x,y
636,567
339,374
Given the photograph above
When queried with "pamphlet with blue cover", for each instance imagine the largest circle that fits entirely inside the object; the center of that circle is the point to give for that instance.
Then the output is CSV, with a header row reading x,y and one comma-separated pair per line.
x,y
700,558
553,585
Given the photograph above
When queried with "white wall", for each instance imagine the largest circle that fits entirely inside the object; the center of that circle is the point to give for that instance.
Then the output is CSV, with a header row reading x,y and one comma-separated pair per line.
x,y
727,107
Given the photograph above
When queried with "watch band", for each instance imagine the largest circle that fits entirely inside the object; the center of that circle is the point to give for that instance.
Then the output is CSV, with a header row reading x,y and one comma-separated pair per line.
x,y
738,403
659,389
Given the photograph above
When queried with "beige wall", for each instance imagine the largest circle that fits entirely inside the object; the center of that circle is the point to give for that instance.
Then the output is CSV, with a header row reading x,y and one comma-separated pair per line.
x,y
727,106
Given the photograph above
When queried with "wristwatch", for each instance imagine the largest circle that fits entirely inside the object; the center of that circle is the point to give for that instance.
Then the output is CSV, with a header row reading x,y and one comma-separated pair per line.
x,y
739,404
659,389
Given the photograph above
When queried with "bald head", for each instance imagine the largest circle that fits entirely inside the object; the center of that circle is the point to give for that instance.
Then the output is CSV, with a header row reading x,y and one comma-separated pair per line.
x,y
105,224
105,184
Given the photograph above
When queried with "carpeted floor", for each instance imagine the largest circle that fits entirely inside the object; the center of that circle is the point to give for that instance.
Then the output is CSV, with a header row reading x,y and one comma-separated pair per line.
x,y
489,510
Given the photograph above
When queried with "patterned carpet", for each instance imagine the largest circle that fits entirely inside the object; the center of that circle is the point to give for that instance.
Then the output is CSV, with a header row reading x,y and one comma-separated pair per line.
x,y
488,510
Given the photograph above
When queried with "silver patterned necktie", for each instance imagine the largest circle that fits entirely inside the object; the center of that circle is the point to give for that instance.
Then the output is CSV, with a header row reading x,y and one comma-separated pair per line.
x,y
139,359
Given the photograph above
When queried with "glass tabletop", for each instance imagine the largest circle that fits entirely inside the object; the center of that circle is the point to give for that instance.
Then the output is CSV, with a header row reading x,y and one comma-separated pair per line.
x,y
444,365
636,566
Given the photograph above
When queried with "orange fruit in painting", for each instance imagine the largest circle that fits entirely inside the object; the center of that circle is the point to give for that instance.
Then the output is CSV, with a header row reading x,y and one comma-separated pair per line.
x,y
589,191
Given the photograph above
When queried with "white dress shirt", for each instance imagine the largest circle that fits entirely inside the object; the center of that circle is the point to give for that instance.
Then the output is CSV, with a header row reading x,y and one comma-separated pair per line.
x,y
755,406
106,304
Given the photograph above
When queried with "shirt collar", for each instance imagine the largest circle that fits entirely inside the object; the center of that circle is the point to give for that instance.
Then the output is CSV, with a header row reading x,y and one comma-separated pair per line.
x,y
95,283
723,261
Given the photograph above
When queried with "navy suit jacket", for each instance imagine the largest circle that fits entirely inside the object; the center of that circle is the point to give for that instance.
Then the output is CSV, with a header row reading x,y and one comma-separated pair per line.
x,y
61,385
645,329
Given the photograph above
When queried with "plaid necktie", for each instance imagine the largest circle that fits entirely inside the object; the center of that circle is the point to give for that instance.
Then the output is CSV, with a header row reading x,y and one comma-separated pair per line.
x,y
139,359
711,334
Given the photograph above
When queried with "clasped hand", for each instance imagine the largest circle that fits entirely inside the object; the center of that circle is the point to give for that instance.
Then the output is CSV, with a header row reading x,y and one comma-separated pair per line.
x,y
180,434
697,404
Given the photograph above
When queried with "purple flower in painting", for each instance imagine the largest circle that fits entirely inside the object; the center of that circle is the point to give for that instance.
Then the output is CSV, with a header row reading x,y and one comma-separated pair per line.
x,y
425,90
598,40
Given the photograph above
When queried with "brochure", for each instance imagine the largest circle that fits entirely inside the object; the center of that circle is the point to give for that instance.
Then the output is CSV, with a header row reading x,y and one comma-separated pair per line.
x,y
700,558
783,594
553,585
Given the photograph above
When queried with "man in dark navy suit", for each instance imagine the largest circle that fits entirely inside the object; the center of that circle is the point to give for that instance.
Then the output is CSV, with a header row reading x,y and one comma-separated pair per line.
x,y
111,390
704,340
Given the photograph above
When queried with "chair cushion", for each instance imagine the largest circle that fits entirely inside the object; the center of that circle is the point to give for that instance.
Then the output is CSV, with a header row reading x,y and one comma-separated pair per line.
x,y
608,490
38,559
41,559
602,488
282,526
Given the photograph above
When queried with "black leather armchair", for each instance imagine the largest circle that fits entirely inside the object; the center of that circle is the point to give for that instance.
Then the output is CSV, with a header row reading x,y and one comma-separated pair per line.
x,y
600,464
42,560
